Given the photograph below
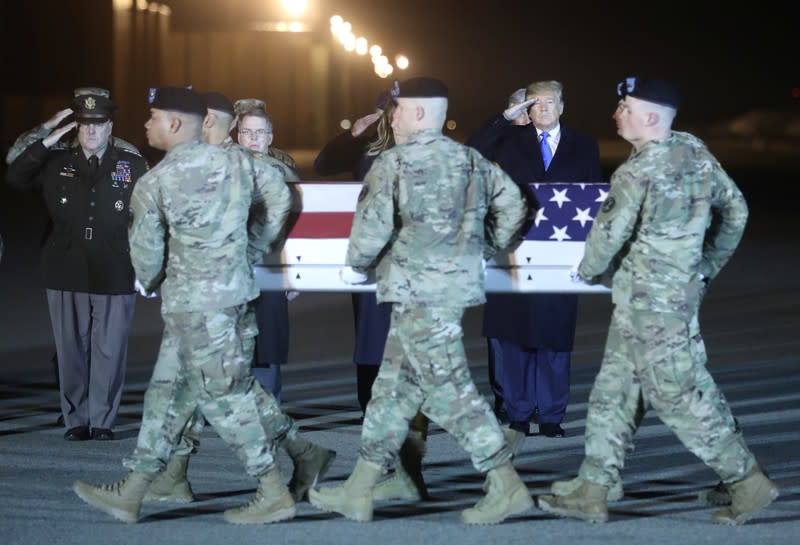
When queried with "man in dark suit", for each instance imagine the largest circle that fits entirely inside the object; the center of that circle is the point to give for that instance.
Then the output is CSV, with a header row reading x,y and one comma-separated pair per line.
x,y
531,335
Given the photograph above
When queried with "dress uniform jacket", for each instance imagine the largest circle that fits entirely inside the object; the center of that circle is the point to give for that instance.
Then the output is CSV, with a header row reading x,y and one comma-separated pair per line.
x,y
535,320
87,250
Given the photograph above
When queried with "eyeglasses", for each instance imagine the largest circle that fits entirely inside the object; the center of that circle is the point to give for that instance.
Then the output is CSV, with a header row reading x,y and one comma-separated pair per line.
x,y
257,133
627,86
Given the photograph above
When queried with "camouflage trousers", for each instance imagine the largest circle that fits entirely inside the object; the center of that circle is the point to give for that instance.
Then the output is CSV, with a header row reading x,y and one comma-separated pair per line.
x,y
203,369
658,360
425,368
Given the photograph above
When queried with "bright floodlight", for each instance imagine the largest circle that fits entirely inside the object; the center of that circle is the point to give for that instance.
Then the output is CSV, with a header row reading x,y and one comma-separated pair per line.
x,y
375,50
361,45
295,7
336,20
401,61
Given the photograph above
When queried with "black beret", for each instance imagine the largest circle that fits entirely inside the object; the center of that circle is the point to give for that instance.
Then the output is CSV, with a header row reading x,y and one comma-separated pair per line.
x,y
177,99
219,102
652,90
92,107
421,87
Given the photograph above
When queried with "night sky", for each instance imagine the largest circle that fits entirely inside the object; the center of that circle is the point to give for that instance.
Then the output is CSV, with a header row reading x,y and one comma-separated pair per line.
x,y
726,59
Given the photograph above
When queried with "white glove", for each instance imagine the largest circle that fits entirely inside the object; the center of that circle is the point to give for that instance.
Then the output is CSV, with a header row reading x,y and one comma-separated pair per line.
x,y
141,291
349,276
575,276
292,295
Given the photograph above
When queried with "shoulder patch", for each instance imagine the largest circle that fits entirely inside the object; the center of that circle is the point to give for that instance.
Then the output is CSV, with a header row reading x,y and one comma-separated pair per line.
x,y
609,204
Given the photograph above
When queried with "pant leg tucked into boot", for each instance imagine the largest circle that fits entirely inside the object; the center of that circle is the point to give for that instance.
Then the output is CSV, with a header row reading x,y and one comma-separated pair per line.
x,y
172,485
311,462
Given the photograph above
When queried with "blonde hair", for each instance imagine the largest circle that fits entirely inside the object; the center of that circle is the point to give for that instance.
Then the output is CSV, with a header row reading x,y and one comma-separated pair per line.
x,y
385,138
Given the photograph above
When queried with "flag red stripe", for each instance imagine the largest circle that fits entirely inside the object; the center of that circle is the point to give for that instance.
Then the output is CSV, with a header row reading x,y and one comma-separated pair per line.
x,y
322,225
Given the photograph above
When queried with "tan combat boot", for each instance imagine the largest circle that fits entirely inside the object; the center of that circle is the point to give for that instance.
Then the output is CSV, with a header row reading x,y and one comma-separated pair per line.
x,y
748,496
310,461
514,440
354,498
715,497
587,502
565,488
121,500
272,502
506,495
407,482
172,485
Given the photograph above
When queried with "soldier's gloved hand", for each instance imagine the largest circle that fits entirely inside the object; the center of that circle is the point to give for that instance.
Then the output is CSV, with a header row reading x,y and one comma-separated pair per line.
x,y
57,118
349,276
291,295
575,276
56,135
143,292
517,110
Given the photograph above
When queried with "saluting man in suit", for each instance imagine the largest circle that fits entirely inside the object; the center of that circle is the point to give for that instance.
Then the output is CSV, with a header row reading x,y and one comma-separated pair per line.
x,y
531,335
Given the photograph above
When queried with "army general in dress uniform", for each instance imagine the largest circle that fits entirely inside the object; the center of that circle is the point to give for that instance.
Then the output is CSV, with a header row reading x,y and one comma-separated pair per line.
x,y
86,260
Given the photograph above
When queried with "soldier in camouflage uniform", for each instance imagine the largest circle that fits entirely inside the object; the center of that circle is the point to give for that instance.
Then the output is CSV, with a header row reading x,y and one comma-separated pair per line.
x,y
272,307
26,139
266,221
428,210
671,221
190,237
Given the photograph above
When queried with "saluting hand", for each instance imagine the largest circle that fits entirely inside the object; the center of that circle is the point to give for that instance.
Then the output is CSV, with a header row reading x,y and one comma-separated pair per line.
x,y
56,120
56,135
362,123
514,112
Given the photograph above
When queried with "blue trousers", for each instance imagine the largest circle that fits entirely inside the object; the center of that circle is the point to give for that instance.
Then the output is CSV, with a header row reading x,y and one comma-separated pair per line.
x,y
531,378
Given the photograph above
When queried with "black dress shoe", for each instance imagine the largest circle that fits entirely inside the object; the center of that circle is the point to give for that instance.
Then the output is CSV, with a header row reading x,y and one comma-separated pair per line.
x,y
102,434
79,433
518,425
551,430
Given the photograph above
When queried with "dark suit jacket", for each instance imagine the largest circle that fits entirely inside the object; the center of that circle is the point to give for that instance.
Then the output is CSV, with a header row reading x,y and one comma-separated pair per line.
x,y
535,320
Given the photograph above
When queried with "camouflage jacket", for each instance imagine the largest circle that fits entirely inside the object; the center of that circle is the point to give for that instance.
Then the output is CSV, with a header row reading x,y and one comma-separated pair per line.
x,y
272,199
671,213
39,132
426,213
189,229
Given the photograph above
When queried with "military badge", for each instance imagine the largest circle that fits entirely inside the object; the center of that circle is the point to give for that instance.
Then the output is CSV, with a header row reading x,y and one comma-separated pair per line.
x,y
119,206
151,95
90,103
68,171
122,173
63,200
608,204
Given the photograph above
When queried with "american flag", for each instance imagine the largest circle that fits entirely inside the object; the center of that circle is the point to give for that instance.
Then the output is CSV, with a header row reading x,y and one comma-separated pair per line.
x,y
317,242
